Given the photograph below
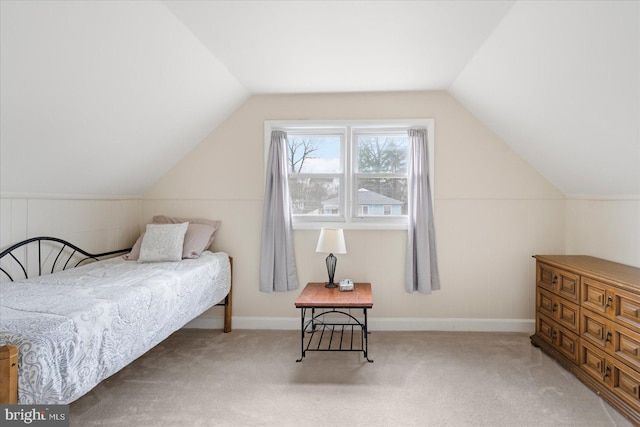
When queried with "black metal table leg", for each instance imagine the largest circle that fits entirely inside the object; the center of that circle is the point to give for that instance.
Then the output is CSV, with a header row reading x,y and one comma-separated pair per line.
x,y
302,335
365,332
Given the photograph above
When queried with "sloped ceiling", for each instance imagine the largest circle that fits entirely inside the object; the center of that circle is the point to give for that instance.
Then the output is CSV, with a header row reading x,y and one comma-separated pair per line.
x,y
102,98
117,92
560,82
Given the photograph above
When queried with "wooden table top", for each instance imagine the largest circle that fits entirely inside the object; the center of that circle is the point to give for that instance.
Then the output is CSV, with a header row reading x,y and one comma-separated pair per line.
x,y
316,295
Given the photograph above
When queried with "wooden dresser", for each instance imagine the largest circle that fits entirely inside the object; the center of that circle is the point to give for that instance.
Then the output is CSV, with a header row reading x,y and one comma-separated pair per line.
x,y
588,318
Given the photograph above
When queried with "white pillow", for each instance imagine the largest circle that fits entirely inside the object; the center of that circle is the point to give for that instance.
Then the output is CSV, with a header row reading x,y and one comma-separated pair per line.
x,y
163,242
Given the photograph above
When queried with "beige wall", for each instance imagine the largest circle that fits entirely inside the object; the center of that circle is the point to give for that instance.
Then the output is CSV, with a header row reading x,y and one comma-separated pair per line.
x,y
604,228
492,212
93,224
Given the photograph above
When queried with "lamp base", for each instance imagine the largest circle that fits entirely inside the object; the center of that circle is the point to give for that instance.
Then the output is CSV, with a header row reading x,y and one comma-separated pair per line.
x,y
331,269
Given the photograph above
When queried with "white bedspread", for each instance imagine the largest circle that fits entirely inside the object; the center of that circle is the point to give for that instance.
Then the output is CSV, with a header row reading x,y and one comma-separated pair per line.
x,y
77,327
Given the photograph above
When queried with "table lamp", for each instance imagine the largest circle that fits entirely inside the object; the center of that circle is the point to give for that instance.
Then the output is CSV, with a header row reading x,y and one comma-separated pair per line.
x,y
331,241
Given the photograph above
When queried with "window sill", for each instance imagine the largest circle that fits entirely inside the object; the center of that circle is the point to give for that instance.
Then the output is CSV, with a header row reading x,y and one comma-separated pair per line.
x,y
350,225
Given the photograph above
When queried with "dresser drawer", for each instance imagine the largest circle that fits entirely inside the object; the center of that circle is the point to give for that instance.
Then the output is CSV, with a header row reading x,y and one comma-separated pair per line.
x,y
626,308
561,338
626,384
595,295
626,346
568,344
558,281
610,301
611,337
564,312
615,375
596,329
595,363
545,328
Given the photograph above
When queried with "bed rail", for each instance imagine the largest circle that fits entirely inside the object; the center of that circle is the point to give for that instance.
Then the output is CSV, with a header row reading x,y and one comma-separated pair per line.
x,y
68,256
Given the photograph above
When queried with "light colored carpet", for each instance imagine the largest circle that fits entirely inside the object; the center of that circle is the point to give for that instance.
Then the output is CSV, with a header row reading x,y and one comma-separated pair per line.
x,y
250,378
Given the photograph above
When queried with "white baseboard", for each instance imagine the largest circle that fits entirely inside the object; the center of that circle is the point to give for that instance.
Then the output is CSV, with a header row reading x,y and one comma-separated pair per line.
x,y
377,324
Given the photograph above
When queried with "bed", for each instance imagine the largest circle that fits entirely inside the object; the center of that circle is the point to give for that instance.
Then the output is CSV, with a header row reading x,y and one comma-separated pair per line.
x,y
69,330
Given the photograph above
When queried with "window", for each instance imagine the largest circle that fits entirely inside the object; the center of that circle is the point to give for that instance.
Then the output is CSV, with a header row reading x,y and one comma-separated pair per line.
x,y
316,173
379,172
351,172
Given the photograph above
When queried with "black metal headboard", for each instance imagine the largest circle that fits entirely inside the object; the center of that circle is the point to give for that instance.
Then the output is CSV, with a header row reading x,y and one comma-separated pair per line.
x,y
68,256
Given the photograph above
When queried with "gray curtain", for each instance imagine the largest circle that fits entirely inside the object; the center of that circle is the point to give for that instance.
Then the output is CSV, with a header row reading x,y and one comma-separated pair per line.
x,y
422,267
277,259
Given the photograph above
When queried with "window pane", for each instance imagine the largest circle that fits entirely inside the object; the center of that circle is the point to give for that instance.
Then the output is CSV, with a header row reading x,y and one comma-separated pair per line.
x,y
314,154
315,196
382,153
381,196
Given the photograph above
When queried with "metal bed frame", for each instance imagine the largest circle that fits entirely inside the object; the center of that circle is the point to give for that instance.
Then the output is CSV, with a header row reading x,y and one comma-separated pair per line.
x,y
74,251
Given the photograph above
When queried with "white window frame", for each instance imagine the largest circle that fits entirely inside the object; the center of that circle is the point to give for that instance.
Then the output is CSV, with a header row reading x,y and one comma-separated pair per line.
x,y
350,220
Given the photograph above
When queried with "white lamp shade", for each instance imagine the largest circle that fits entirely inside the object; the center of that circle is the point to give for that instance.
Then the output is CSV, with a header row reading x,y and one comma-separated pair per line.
x,y
331,241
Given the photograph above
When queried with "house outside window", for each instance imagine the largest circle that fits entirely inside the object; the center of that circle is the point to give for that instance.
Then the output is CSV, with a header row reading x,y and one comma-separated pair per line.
x,y
348,172
315,164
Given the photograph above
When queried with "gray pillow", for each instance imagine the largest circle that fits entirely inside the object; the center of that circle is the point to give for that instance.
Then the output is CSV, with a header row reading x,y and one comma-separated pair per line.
x,y
163,242
197,239
164,219
201,231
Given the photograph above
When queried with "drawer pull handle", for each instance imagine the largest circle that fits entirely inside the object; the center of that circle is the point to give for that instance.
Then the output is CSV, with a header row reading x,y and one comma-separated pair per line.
x,y
609,301
555,280
609,335
607,372
555,307
553,335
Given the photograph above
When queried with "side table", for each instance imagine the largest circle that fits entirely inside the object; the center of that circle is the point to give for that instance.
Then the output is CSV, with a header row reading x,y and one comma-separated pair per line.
x,y
322,332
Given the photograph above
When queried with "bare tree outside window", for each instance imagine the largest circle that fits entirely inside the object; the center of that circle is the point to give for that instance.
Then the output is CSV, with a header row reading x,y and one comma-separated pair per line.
x,y
299,150
315,172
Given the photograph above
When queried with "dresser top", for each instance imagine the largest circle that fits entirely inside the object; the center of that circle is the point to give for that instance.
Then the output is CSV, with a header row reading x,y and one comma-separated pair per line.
x,y
596,267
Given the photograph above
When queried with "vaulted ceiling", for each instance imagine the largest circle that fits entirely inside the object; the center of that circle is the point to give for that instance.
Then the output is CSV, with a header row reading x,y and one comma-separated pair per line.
x,y
116,92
